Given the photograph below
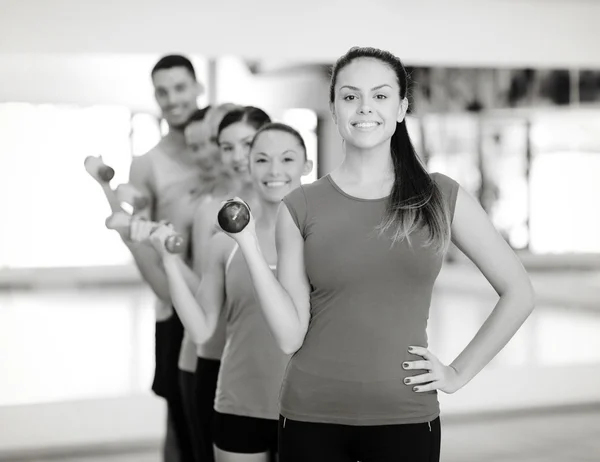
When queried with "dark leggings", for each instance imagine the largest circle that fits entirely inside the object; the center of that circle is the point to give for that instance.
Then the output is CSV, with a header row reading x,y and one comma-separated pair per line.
x,y
205,387
169,334
318,442
187,382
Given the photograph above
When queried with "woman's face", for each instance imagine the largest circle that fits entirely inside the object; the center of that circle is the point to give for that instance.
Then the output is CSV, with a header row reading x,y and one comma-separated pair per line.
x,y
234,144
201,146
277,164
367,103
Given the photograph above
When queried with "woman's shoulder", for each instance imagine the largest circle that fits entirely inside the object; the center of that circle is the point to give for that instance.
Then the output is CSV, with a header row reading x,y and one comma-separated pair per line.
x,y
442,178
311,190
448,185
221,246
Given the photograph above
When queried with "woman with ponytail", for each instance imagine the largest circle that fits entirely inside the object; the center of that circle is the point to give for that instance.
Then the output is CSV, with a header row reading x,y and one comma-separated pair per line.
x,y
358,253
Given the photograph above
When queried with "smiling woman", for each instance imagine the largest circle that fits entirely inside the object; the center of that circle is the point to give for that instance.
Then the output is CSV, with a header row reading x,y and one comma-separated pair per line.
x,y
358,253
252,365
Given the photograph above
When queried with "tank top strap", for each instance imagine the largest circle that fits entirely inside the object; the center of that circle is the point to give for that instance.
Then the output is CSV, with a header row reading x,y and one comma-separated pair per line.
x,y
230,258
232,254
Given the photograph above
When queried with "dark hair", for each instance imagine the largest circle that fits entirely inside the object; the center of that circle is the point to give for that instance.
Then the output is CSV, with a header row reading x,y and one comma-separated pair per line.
x,y
415,200
198,116
250,115
171,61
276,126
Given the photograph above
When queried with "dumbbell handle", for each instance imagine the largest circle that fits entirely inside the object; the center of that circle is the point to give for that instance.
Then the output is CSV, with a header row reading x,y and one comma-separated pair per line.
x,y
131,195
96,167
121,222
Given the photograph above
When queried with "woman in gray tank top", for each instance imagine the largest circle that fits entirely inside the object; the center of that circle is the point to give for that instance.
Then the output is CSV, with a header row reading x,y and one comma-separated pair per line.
x,y
229,129
252,366
358,253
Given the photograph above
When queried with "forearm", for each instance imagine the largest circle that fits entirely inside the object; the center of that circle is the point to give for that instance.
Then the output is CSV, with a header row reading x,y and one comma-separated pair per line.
x,y
277,305
510,313
197,321
111,197
192,279
149,265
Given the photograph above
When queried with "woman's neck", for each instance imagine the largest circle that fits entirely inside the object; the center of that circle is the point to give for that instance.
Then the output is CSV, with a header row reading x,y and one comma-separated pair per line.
x,y
267,215
243,188
210,168
366,166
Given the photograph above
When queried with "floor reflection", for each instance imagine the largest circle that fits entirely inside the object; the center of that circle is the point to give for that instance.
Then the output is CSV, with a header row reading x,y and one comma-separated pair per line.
x,y
58,345
66,345
72,344
557,437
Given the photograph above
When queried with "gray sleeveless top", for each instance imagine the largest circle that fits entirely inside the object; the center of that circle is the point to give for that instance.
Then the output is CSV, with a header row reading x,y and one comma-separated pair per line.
x,y
252,365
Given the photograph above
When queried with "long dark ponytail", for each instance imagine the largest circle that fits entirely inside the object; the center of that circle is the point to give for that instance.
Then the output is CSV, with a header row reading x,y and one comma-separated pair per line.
x,y
415,200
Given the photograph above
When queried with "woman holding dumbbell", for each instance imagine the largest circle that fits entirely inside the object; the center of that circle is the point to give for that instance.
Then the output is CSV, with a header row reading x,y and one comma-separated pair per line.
x,y
252,365
231,131
235,133
232,134
358,253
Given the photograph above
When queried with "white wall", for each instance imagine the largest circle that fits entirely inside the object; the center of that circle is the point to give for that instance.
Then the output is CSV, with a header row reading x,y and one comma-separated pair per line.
x,y
459,32
302,87
83,78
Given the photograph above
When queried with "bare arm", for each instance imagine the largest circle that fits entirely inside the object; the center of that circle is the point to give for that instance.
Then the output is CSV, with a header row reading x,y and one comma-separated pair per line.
x,y
111,197
92,166
203,229
146,258
202,232
285,300
475,235
200,312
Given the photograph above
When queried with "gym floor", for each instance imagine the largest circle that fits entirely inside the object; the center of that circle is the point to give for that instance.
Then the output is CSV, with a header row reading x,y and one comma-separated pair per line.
x,y
98,342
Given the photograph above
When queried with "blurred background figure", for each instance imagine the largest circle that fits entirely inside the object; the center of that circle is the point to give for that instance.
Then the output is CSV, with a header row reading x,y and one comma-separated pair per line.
x,y
509,108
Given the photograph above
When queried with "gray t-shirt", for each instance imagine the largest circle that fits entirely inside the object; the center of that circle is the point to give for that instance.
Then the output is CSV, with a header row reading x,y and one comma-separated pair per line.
x,y
369,302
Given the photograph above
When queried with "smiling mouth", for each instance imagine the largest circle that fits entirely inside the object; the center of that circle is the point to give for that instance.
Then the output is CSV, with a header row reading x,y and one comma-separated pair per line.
x,y
275,184
365,125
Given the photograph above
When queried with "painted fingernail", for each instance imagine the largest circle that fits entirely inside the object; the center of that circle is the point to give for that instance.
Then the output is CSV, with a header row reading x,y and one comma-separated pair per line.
x,y
405,365
407,381
415,388
410,348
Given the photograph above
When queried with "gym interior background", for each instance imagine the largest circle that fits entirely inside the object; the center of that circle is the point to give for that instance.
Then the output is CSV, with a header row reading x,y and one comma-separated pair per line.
x,y
505,99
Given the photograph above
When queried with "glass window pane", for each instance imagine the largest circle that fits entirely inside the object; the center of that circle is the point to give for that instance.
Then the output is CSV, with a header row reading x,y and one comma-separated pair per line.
x,y
53,212
505,194
451,142
564,182
305,121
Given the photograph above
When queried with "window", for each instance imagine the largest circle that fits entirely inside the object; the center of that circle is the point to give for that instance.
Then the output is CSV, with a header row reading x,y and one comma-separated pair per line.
x,y
504,188
534,173
305,121
564,182
53,212
450,142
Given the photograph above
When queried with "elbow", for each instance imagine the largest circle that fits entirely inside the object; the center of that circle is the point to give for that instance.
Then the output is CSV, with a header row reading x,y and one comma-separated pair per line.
x,y
289,348
530,299
202,334
523,295
165,297
199,338
291,343
527,295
